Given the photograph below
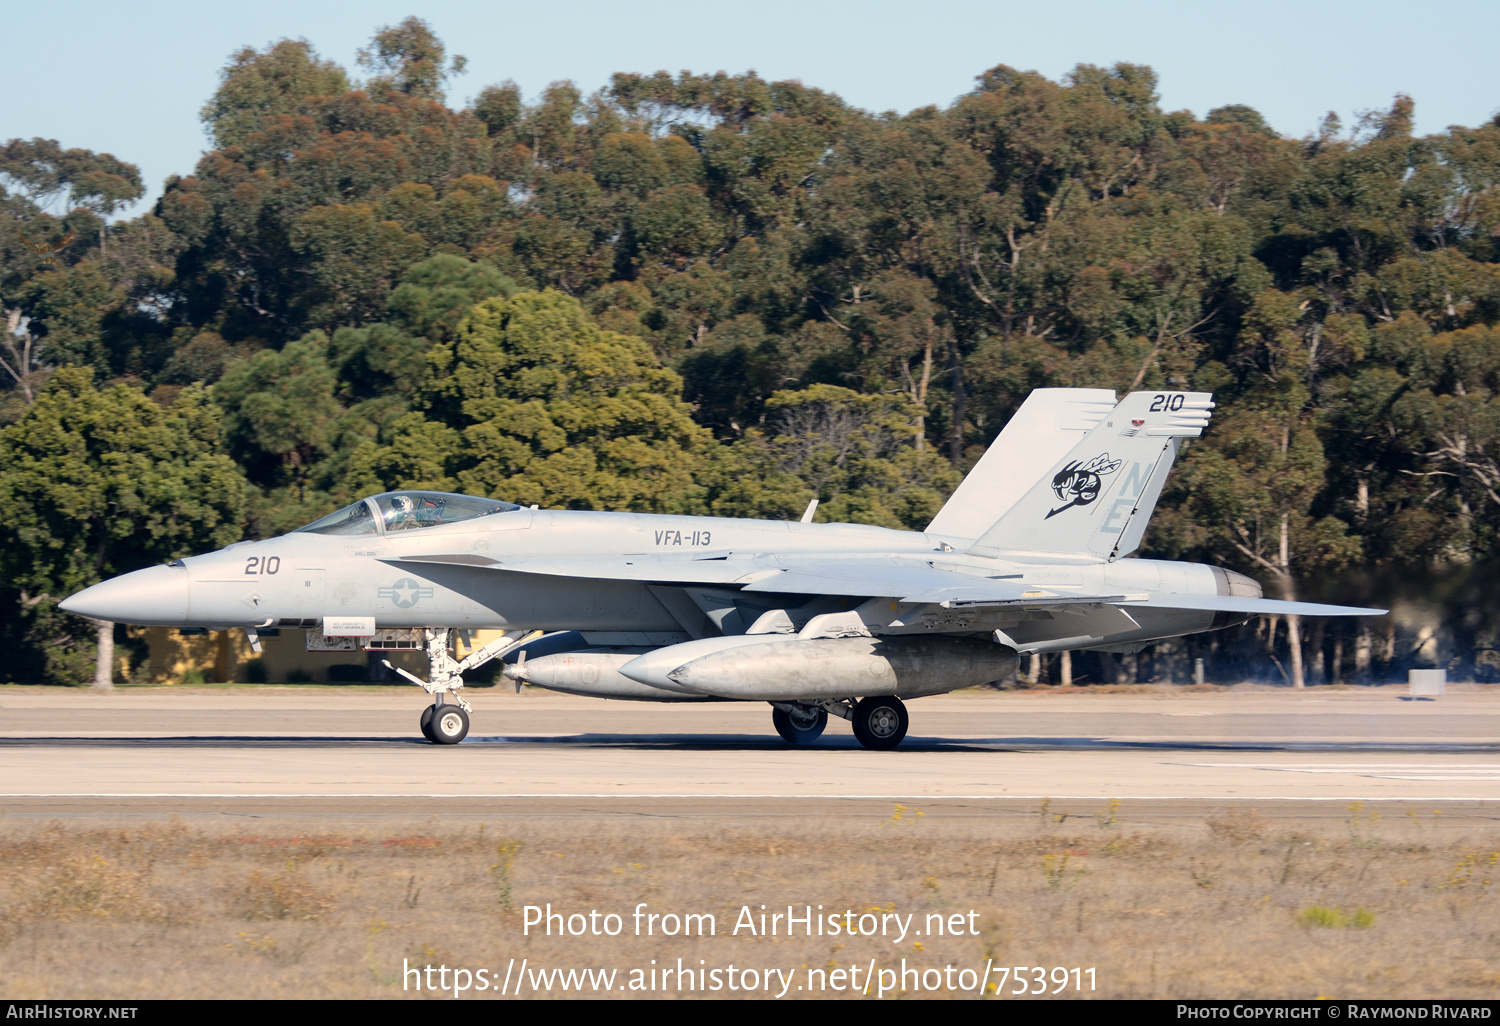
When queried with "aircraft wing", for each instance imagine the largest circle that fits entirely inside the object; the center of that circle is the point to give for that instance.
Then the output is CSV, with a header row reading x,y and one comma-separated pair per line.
x,y
915,581
876,576
908,580
868,578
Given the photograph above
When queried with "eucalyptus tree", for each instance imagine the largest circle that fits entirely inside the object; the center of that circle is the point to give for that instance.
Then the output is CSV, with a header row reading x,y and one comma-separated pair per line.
x,y
97,481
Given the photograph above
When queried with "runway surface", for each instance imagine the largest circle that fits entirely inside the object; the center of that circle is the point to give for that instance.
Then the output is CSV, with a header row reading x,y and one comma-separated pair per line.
x,y
280,749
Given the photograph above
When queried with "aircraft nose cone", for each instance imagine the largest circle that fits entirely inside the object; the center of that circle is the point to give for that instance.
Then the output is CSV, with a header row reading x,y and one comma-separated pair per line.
x,y
157,595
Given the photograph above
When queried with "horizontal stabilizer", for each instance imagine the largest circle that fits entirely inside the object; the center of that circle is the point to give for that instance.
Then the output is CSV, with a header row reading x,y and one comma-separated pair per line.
x,y
1239,604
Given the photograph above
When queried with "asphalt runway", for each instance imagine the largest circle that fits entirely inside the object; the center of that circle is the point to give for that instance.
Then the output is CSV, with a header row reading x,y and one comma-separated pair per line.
x,y
317,751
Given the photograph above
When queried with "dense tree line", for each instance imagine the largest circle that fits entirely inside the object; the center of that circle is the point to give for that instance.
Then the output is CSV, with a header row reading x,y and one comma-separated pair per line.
x,y
717,294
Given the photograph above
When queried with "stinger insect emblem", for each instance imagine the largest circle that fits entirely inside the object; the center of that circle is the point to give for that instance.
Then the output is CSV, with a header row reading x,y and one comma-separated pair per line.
x,y
1080,485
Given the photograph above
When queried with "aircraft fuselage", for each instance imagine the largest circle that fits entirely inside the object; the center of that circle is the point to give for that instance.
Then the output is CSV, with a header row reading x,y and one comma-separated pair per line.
x,y
300,578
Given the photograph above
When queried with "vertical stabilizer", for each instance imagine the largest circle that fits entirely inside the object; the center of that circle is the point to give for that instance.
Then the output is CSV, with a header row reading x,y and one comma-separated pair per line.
x,y
1046,426
1093,503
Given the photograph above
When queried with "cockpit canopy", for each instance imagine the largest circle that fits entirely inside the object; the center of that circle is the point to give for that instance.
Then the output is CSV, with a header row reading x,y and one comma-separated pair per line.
x,y
405,511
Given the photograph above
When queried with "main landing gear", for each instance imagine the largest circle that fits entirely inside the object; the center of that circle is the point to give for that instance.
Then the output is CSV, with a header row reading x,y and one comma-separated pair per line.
x,y
445,723
799,723
878,722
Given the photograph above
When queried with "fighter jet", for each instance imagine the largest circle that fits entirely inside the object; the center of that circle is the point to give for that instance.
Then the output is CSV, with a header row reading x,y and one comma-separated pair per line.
x,y
1029,555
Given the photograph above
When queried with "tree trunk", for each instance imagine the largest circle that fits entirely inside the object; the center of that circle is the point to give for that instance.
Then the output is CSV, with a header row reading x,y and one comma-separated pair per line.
x,y
376,671
1288,588
1065,669
921,395
104,665
1033,669
1267,639
1294,643
956,441
223,672
1362,647
1336,675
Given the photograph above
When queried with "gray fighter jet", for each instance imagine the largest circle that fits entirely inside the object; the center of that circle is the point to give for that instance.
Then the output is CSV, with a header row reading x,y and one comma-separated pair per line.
x,y
1027,556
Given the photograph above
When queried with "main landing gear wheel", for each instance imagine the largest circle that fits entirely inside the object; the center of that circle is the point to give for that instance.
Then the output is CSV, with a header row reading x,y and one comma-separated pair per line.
x,y
880,722
426,723
802,726
449,725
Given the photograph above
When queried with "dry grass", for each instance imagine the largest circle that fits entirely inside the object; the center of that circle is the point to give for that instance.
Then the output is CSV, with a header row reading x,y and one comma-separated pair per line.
x,y
1235,905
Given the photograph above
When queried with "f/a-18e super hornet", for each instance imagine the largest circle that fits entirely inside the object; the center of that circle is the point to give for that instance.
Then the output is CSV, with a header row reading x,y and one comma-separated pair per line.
x,y
1027,556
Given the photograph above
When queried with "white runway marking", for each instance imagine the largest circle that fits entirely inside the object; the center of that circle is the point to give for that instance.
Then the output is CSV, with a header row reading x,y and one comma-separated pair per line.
x,y
1385,771
1102,796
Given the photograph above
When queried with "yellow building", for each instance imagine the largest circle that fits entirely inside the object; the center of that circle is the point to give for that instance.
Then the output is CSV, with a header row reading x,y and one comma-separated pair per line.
x,y
175,657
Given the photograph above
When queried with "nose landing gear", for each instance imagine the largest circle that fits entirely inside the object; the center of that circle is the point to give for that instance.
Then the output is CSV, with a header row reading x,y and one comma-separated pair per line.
x,y
448,724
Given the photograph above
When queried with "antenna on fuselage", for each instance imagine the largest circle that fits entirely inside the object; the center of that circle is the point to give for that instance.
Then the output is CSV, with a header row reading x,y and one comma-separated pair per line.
x,y
807,514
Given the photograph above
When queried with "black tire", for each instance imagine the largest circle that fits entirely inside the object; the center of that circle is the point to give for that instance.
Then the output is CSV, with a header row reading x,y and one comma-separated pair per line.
x,y
426,723
450,725
800,730
880,722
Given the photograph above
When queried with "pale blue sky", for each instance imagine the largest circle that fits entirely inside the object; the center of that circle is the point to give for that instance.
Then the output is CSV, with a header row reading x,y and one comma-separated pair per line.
x,y
129,78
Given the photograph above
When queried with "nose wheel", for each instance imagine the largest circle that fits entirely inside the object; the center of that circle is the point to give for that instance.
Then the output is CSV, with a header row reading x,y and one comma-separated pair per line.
x,y
445,724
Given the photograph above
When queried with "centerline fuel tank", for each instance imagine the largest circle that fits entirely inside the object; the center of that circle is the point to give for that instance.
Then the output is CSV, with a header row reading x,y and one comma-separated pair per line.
x,y
781,668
